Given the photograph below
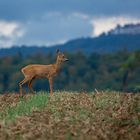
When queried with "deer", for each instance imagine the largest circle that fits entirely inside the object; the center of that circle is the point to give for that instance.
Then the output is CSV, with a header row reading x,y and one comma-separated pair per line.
x,y
34,71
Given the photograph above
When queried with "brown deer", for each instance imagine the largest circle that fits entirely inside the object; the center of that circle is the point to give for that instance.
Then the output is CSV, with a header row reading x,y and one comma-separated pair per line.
x,y
32,72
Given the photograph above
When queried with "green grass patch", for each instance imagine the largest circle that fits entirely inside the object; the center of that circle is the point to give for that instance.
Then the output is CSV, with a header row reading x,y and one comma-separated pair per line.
x,y
25,107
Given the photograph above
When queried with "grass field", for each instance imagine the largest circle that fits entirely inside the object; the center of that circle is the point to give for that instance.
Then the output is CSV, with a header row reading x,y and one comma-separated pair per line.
x,y
70,116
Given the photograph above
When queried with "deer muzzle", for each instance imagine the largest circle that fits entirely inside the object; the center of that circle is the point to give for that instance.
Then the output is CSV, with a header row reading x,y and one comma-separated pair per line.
x,y
66,59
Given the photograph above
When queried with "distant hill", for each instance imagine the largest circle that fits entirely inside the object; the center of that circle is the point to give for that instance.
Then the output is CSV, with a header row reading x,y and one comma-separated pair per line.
x,y
105,43
126,29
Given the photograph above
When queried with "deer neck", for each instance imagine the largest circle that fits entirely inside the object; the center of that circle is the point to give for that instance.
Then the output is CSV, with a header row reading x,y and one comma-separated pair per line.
x,y
58,65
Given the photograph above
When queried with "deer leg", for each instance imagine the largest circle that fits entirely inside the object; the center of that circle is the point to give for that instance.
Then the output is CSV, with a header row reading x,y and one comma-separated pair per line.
x,y
30,85
51,86
25,80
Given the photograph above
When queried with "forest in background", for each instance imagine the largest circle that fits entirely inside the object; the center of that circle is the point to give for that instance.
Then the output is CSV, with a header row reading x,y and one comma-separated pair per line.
x,y
111,71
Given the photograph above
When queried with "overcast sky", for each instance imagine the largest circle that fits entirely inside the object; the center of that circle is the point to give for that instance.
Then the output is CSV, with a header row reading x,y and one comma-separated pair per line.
x,y
47,22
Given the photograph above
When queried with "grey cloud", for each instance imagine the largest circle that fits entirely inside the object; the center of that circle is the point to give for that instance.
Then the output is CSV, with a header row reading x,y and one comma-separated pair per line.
x,y
55,28
25,9
52,21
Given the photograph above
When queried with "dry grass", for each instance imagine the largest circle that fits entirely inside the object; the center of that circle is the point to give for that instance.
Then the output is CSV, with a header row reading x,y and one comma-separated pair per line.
x,y
10,100
73,116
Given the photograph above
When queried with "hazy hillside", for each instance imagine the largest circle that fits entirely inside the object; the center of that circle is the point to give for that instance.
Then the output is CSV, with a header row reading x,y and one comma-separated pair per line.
x,y
102,44
126,29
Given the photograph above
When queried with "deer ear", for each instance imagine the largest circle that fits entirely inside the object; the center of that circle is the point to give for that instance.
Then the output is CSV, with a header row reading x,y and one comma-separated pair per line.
x,y
57,51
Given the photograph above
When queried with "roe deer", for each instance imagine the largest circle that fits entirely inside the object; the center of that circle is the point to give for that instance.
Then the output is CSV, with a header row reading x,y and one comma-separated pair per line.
x,y
31,72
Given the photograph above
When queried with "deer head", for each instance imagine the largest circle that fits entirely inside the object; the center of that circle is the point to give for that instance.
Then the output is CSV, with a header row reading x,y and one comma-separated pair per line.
x,y
61,57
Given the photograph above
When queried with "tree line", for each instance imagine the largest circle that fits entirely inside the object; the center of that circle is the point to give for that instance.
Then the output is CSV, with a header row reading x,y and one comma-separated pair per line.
x,y
84,72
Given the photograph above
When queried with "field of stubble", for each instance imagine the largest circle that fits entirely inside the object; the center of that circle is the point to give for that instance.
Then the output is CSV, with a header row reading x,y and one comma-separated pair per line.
x,y
70,116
